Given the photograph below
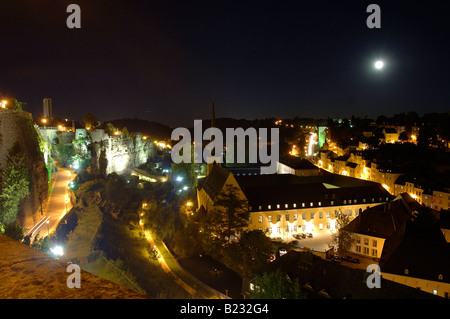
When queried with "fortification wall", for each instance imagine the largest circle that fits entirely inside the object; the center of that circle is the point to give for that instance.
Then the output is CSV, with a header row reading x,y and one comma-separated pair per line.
x,y
15,127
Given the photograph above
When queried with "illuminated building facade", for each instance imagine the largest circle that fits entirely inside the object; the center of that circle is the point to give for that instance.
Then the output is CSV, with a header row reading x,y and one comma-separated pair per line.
x,y
283,205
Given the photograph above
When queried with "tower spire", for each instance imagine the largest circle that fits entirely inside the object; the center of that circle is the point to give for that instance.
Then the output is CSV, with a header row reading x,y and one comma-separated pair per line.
x,y
210,166
213,118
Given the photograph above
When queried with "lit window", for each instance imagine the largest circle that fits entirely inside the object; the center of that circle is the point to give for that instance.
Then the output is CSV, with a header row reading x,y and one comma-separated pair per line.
x,y
295,205
260,218
269,206
286,206
278,205
269,218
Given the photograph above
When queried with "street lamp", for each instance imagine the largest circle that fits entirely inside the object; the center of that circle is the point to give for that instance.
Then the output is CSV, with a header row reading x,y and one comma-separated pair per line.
x,y
57,250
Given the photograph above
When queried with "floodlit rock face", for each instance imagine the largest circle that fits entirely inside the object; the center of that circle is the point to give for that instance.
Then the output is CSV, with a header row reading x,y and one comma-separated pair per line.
x,y
15,127
119,153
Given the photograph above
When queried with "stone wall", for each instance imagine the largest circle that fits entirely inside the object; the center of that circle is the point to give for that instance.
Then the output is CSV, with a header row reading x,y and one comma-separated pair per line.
x,y
15,127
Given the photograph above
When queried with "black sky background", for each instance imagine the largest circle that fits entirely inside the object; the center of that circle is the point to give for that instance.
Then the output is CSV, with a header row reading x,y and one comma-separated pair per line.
x,y
167,60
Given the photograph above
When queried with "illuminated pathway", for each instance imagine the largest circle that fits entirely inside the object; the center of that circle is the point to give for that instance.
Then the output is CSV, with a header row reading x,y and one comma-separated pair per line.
x,y
58,205
192,285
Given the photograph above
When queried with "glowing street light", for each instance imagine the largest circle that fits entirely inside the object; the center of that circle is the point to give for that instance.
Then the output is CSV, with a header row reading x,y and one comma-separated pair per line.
x,y
3,104
57,251
379,65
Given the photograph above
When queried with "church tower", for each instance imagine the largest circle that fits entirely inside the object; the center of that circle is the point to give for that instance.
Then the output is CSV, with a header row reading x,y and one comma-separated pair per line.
x,y
209,166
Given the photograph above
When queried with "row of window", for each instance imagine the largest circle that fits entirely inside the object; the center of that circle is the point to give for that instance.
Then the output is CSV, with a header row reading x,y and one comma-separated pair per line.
x,y
295,228
311,204
366,241
366,251
312,215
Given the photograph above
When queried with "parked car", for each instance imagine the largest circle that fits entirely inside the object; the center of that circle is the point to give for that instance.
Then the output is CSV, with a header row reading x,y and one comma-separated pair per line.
x,y
351,259
310,235
336,259
295,243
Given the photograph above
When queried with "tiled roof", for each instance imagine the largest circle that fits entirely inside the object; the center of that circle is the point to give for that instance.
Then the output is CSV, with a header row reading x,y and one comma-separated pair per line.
x,y
328,189
214,181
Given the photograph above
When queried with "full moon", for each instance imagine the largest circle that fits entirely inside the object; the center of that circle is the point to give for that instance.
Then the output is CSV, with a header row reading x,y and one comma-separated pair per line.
x,y
379,65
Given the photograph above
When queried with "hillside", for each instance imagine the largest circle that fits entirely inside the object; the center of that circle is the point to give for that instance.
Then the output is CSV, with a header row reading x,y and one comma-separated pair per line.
x,y
147,128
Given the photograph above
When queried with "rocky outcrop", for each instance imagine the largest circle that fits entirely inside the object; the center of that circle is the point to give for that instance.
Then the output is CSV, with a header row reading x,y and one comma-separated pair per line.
x,y
119,153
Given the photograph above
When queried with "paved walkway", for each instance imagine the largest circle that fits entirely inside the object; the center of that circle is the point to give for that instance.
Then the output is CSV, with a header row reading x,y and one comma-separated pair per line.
x,y
57,206
189,283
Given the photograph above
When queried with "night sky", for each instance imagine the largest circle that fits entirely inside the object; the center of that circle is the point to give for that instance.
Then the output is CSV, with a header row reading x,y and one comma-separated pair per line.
x,y
167,60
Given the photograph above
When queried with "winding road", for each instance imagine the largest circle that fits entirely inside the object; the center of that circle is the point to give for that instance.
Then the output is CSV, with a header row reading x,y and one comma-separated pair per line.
x,y
58,205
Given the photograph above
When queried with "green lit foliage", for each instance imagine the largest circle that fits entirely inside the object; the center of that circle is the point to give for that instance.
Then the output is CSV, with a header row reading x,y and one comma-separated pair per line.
x,y
159,219
42,243
63,153
276,285
13,104
12,230
188,171
110,129
14,185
